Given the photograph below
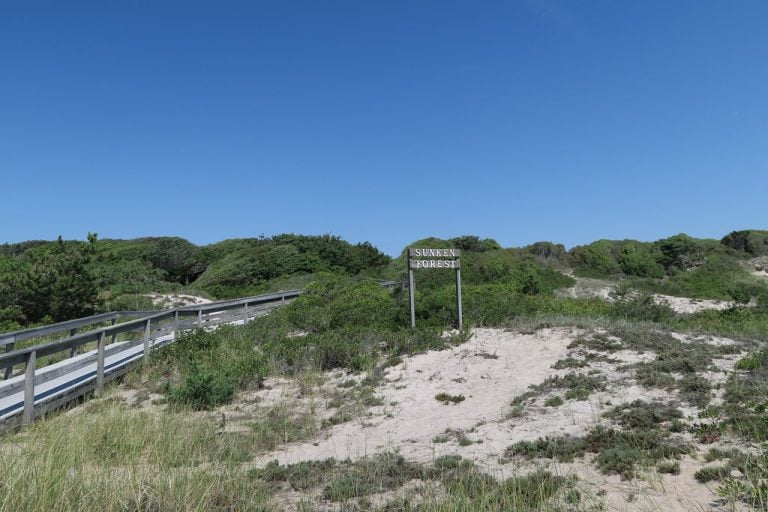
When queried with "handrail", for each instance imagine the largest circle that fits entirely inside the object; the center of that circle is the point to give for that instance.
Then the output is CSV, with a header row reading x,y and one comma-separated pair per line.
x,y
207,315
74,340
267,297
17,356
8,338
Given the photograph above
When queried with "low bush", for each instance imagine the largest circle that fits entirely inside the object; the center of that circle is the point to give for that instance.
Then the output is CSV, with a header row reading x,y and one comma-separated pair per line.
x,y
203,388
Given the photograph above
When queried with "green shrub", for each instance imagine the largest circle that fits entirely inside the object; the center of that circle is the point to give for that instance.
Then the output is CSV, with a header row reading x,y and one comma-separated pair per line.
x,y
333,302
710,473
203,388
752,241
562,449
620,460
446,399
639,260
643,307
594,260
668,467
554,401
643,415
579,386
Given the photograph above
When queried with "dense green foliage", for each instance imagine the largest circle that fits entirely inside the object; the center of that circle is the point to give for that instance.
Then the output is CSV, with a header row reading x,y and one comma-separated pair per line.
x,y
175,258
678,265
43,281
751,241
243,267
337,323
47,282
343,322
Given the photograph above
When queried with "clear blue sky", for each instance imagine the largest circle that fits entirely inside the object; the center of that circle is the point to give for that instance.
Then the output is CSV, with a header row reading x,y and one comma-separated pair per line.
x,y
384,121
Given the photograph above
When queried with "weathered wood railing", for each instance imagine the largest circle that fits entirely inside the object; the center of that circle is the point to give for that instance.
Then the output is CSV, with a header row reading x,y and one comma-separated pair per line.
x,y
149,328
9,339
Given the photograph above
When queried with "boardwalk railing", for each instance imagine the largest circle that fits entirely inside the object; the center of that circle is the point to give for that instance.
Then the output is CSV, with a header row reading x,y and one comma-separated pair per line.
x,y
40,389
147,332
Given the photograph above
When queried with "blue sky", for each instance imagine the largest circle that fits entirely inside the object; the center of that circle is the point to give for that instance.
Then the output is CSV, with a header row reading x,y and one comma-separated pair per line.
x,y
390,121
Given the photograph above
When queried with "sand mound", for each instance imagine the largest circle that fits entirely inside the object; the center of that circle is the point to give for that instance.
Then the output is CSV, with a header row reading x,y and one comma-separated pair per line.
x,y
489,371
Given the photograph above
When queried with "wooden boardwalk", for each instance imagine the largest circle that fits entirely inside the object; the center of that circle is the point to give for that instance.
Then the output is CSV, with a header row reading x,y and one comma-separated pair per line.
x,y
30,389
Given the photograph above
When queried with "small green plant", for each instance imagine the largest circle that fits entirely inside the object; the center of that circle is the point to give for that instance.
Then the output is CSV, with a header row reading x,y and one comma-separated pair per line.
x,y
554,401
562,449
368,476
451,462
710,473
643,415
300,476
569,362
203,389
579,386
668,467
464,440
446,399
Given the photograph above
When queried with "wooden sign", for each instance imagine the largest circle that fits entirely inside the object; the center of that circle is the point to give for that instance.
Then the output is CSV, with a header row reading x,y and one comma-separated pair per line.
x,y
434,253
415,264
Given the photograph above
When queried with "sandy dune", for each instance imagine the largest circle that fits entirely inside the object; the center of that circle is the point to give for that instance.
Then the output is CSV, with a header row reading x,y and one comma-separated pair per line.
x,y
489,370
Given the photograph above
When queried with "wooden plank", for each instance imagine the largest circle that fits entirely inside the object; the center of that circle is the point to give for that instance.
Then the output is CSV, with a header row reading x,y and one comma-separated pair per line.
x,y
434,253
29,389
431,264
100,364
147,331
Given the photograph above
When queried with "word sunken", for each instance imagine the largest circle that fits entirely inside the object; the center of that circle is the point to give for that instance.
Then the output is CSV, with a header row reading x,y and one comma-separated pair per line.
x,y
434,253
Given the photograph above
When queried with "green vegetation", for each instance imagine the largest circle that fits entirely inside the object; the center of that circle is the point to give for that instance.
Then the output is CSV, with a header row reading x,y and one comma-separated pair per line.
x,y
465,487
641,442
449,399
182,459
562,449
47,282
42,282
236,268
751,241
51,281
118,459
579,386
678,265
671,467
338,322
554,401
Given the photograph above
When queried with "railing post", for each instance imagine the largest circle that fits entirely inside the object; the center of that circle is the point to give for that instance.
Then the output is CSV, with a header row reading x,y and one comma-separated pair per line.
x,y
114,336
100,364
72,351
458,298
147,329
176,325
29,389
9,368
199,318
412,297
245,313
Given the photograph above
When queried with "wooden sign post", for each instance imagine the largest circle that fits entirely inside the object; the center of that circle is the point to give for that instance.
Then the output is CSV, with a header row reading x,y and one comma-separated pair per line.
x,y
449,258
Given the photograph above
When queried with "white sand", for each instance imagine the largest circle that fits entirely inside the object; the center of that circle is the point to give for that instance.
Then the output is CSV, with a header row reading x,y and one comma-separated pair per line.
x,y
686,305
490,370
416,417
588,288
175,300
